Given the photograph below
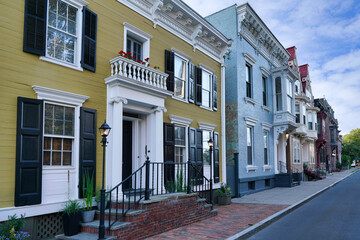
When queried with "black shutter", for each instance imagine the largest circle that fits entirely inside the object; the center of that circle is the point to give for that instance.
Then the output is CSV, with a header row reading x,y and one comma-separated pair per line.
x,y
87,159
199,156
169,69
35,27
216,158
198,85
191,82
215,91
169,154
28,152
88,57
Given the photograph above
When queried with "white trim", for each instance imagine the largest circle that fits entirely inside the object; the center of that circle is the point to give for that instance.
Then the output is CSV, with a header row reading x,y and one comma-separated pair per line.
x,y
61,63
59,96
138,35
223,125
249,59
177,52
265,72
186,93
251,168
249,100
266,126
250,121
207,68
206,126
181,121
266,108
77,3
267,167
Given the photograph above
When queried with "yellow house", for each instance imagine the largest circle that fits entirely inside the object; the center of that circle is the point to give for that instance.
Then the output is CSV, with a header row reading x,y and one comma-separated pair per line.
x,y
65,68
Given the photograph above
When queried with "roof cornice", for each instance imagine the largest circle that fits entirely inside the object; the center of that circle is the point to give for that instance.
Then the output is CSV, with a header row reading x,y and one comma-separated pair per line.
x,y
179,19
254,30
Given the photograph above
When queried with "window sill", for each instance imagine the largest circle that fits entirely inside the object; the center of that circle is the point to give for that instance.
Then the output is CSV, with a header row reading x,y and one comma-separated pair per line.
x,y
206,108
250,100
265,108
251,168
58,168
180,99
47,59
267,167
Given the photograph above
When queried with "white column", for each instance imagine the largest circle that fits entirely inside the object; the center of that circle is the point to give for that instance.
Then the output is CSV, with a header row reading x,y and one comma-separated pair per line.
x,y
115,154
276,142
158,148
223,125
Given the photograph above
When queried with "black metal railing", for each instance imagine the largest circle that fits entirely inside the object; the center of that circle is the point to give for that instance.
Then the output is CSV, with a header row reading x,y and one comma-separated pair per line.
x,y
156,178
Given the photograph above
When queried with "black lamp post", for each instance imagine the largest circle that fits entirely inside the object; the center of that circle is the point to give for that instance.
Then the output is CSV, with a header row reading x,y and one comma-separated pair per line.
x,y
104,132
211,144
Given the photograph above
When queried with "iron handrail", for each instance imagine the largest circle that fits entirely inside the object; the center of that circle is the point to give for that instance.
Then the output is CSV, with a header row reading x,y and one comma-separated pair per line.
x,y
199,188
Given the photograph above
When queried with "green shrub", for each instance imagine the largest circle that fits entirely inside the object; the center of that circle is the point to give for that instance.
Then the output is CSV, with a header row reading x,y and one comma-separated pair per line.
x,y
11,229
71,207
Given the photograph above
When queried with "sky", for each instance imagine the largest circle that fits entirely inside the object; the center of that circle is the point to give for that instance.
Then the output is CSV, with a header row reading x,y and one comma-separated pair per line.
x,y
326,34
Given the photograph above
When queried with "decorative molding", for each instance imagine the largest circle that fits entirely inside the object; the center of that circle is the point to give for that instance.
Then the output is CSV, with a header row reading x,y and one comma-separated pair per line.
x,y
264,71
180,54
249,59
266,126
251,121
267,167
77,3
137,31
180,120
159,109
207,126
59,96
251,168
266,108
250,100
118,100
207,68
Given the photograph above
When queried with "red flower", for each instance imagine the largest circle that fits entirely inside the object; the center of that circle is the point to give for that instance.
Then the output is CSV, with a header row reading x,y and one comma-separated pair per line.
x,y
132,57
146,59
138,61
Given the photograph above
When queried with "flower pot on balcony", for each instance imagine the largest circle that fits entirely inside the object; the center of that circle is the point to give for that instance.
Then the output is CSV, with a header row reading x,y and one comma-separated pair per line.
x,y
224,200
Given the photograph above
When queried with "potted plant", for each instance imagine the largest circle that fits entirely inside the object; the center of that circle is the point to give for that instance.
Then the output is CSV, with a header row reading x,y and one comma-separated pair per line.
x,y
88,192
71,217
224,194
305,166
98,197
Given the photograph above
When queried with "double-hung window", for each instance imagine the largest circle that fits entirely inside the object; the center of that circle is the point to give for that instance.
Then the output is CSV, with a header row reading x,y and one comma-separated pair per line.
x,y
310,126
264,91
297,113
206,89
179,144
278,92
206,148
289,91
249,142
58,135
180,75
312,154
296,151
248,81
266,158
134,47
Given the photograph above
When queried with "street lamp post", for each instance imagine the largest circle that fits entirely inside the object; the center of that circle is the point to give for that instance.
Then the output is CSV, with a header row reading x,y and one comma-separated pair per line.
x,y
211,144
104,132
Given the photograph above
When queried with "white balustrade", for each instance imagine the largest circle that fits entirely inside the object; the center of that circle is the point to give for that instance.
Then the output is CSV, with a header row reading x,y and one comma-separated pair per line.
x,y
128,68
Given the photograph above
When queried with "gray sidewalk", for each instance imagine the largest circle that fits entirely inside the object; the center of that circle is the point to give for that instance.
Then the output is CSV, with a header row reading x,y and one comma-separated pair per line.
x,y
290,196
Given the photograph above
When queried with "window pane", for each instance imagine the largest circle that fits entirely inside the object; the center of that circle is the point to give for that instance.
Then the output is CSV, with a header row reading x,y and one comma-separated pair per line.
x,y
179,154
48,126
206,148
52,19
56,144
289,104
265,140
248,136
179,88
67,144
248,73
59,52
53,6
67,158
58,127
180,69
206,77
180,136
72,13
59,112
69,129
69,56
56,158
47,143
46,160
205,98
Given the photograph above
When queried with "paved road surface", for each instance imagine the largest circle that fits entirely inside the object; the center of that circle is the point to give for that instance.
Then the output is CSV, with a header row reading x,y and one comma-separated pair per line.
x,y
333,215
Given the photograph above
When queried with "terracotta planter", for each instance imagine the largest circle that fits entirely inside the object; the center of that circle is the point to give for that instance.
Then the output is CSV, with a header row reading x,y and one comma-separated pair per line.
x,y
224,200
88,216
71,224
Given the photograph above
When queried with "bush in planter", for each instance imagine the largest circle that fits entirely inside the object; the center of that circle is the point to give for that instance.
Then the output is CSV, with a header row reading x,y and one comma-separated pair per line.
x,y
224,194
71,217
88,193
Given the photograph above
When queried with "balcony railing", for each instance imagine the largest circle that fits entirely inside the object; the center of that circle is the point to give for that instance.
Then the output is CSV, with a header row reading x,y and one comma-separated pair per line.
x,y
127,68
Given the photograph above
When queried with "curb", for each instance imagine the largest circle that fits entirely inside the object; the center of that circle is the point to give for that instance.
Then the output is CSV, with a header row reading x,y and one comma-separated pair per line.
x,y
267,221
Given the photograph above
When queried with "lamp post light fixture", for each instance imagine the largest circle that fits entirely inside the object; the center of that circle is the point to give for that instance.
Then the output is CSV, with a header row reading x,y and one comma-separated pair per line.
x,y
211,145
104,132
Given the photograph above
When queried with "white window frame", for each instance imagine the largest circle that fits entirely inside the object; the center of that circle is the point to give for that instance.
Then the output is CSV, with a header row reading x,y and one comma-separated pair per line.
x,y
296,151
186,59
211,73
267,148
312,153
79,4
289,95
138,35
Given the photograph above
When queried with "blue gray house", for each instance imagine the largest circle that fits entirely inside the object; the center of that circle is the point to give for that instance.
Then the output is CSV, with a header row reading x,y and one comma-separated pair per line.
x,y
259,100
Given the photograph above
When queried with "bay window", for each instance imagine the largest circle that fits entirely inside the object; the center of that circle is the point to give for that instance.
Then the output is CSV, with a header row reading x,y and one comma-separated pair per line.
x,y
289,91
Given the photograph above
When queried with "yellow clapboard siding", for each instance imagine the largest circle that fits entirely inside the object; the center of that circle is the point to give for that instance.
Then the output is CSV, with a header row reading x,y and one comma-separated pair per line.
x,y
19,71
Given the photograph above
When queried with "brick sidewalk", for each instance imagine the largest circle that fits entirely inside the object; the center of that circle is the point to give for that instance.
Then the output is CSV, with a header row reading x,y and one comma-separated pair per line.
x,y
230,220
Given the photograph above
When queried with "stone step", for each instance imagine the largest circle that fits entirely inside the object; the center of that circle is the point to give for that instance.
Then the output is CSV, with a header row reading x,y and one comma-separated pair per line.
x,y
95,226
128,215
83,236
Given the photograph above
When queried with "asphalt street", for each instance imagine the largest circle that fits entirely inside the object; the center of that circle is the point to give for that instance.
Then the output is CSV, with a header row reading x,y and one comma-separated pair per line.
x,y
333,215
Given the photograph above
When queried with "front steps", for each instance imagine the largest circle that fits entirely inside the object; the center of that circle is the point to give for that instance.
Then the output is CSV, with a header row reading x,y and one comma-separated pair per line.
x,y
151,217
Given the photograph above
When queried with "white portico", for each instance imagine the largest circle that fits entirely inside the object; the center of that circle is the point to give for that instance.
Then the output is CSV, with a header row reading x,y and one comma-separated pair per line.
x,y
135,105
